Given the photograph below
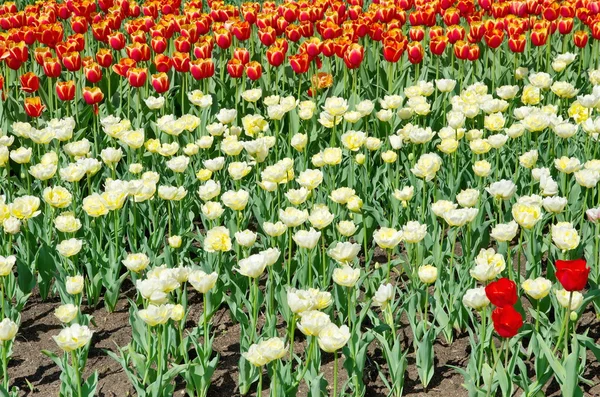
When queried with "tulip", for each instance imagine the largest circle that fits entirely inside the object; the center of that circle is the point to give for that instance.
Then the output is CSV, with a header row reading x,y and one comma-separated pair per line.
x,y
116,40
92,96
299,63
138,52
181,62
65,90
572,274
415,52
354,56
162,63
507,321
202,68
52,67
137,77
502,292
123,66
30,83
72,61
517,43
160,82
235,68
253,70
242,54
34,107
93,73
275,55
580,38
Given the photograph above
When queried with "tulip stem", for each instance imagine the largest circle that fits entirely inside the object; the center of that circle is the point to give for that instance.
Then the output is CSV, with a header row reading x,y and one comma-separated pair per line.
x,y
335,373
260,382
537,316
482,338
75,362
293,328
5,364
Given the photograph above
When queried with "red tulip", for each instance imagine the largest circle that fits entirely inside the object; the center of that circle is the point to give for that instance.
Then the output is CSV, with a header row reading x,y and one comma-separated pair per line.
x,y
137,77
474,52
539,37
507,321
235,68
493,38
34,107
517,43
437,45
572,274
123,66
162,63
181,62
253,70
52,67
580,38
242,54
30,83
93,73
202,68
565,25
138,52
502,292
104,57
416,33
393,50
160,82
415,52
354,56
92,95
299,63
65,90
72,61
267,36
159,44
275,55
182,44
41,53
116,40
223,38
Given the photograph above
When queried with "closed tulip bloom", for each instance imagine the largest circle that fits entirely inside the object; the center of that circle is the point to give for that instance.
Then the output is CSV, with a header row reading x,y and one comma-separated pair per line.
x,y
344,252
526,215
34,106
236,200
427,166
70,247
468,198
565,236
572,274
428,274
507,321
346,276
264,352
505,232
73,337
66,313
502,292
387,238
307,239
413,232
332,338
74,285
136,262
67,223
25,207
155,315
320,217
253,266
245,238
537,288
502,190
8,330
312,322
6,265
293,217
201,281
476,298
217,239
274,229
564,297
346,228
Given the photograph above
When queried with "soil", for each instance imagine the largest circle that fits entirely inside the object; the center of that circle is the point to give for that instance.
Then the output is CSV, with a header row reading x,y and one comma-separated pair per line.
x,y
36,375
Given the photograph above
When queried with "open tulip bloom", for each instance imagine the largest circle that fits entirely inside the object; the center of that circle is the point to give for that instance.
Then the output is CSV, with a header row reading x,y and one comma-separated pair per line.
x,y
318,179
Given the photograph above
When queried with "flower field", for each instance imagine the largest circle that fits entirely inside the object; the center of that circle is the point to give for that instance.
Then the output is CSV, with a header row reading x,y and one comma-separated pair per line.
x,y
313,197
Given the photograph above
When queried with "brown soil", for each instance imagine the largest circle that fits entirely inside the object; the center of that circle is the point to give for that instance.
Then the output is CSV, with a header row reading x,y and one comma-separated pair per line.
x,y
30,368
